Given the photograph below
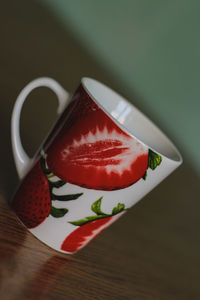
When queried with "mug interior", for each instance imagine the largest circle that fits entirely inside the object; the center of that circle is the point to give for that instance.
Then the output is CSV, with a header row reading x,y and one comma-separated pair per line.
x,y
130,119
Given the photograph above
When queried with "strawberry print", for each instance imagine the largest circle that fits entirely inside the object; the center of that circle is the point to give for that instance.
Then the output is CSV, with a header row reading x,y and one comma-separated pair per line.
x,y
90,227
79,106
93,152
32,203
33,200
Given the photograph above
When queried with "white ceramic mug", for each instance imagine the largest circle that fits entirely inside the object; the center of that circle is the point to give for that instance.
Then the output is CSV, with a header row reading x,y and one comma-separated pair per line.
x,y
102,156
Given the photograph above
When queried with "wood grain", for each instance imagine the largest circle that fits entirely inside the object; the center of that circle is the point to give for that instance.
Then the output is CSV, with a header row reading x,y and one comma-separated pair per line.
x,y
150,253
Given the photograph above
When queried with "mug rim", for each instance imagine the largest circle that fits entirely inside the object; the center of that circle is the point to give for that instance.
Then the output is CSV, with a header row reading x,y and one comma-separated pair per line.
x,y
176,157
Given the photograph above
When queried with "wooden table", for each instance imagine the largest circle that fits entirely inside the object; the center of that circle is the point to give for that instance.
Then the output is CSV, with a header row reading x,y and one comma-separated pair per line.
x,y
151,253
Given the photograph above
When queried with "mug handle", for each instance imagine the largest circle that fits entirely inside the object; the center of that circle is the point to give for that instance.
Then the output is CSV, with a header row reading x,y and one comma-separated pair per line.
x,y
22,160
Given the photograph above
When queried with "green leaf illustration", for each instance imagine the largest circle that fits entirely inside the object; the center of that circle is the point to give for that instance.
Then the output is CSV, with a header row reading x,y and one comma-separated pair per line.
x,y
88,219
65,197
58,183
154,160
116,210
58,212
45,170
96,207
145,175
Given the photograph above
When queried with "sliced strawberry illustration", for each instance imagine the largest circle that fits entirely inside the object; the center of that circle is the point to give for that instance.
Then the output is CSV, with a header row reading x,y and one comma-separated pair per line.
x,y
90,227
79,106
33,200
95,153
81,236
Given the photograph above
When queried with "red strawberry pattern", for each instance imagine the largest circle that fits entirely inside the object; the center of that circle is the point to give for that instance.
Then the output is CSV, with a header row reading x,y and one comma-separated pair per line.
x,y
88,149
93,152
33,200
80,105
90,227
32,203
81,236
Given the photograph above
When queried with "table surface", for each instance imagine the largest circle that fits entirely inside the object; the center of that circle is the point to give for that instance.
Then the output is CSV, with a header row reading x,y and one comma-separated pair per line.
x,y
151,253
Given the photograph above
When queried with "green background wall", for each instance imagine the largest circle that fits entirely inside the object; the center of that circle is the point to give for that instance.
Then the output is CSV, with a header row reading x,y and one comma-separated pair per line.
x,y
152,49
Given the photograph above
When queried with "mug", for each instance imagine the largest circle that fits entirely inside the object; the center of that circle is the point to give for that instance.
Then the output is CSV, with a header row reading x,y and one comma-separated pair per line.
x,y
101,157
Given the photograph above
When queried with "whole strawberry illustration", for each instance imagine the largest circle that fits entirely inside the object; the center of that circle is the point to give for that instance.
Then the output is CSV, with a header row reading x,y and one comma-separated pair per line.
x,y
33,200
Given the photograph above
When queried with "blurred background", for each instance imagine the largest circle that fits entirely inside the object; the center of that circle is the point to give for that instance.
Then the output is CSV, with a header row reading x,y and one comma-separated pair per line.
x,y
148,51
